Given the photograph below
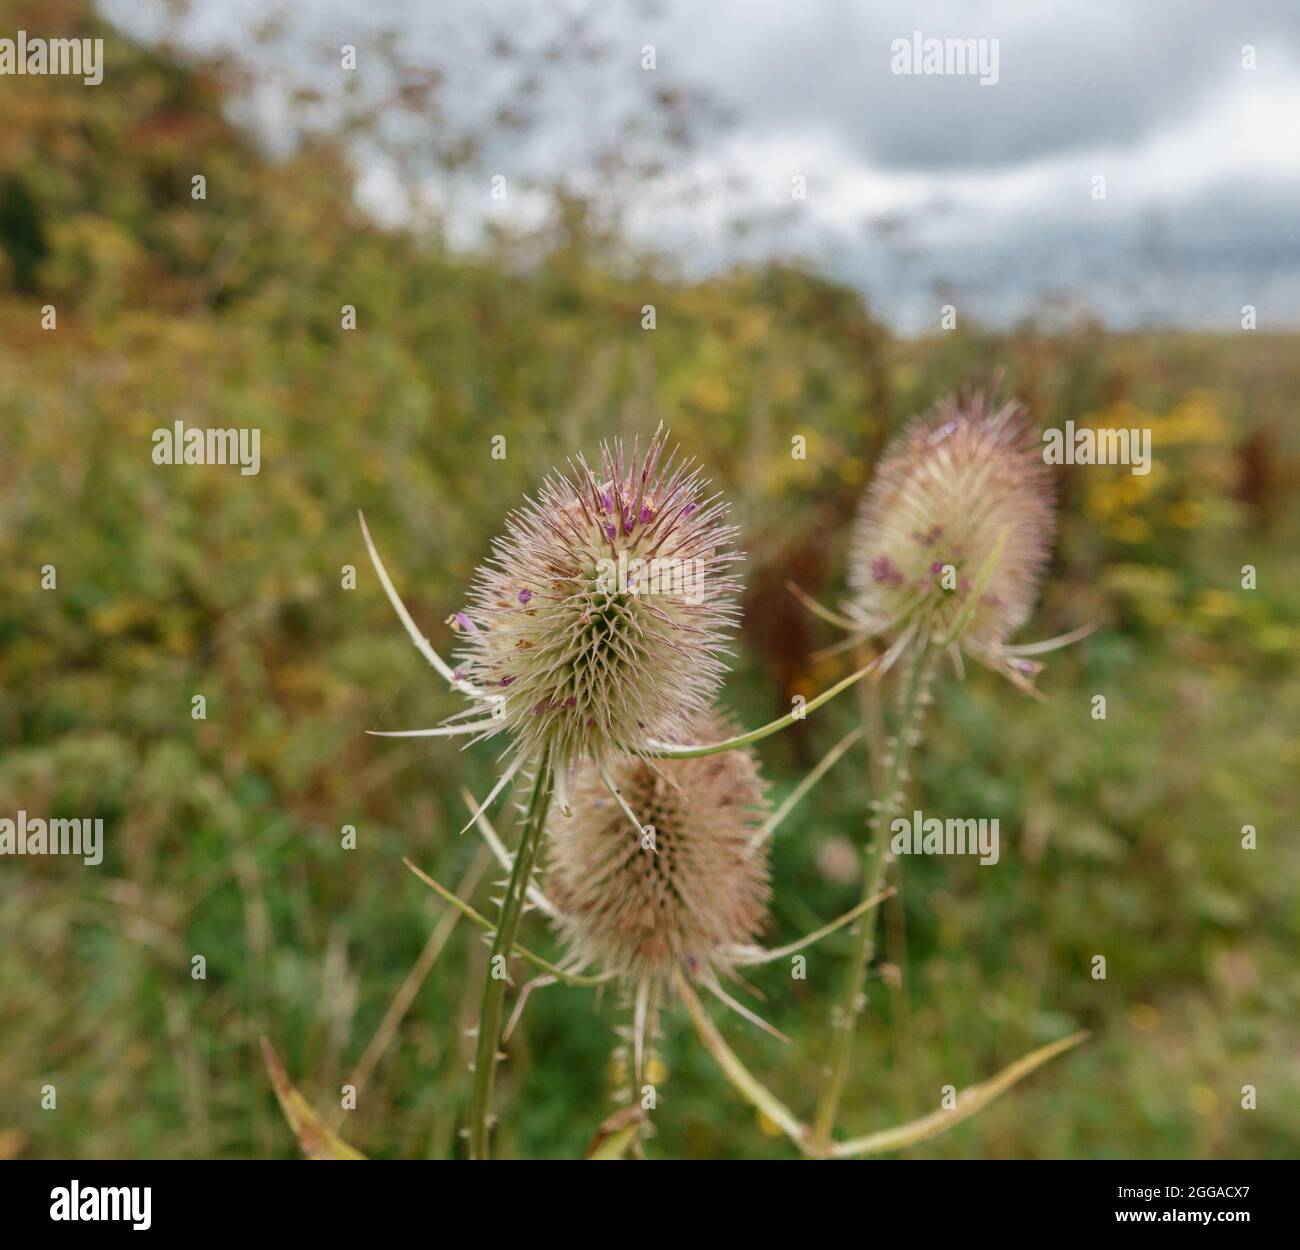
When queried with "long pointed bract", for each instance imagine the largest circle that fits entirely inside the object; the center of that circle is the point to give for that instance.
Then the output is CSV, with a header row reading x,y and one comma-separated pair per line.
x,y
422,644
686,751
751,959
969,1101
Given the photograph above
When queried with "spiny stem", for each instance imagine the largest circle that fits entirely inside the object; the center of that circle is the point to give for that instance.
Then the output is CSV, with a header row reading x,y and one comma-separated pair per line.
x,y
873,724
852,999
494,986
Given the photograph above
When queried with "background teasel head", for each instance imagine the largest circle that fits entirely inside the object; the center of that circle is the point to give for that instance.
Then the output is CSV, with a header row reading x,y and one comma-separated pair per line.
x,y
599,620
953,535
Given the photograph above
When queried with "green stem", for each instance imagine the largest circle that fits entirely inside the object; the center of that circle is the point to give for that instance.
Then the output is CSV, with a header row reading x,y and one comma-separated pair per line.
x,y
852,1000
494,986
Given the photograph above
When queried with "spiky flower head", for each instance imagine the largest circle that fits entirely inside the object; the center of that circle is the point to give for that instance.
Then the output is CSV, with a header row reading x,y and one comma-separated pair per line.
x,y
599,621
954,533
699,891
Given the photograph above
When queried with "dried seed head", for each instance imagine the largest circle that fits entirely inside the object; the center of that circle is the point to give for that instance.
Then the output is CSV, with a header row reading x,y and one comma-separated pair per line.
x,y
600,619
638,912
961,504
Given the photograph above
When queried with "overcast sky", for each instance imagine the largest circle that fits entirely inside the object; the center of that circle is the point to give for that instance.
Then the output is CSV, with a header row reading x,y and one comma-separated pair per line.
x,y
990,187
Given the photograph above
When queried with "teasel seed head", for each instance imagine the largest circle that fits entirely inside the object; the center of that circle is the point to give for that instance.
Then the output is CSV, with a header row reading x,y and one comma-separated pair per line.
x,y
703,888
601,618
953,535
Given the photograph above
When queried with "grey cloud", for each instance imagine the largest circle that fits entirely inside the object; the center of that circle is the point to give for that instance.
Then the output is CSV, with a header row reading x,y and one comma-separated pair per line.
x,y
1114,76
1071,77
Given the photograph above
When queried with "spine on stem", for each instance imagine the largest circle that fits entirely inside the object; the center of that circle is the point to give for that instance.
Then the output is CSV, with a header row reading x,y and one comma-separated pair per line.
x,y
494,984
852,999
